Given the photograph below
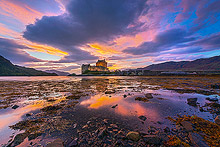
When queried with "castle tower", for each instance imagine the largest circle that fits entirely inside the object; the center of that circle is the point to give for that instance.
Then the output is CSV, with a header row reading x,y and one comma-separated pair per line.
x,y
102,63
85,67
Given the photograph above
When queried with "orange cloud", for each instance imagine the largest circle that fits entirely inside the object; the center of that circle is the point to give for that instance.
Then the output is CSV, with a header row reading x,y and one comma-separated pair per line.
x,y
19,11
45,49
103,49
5,31
124,42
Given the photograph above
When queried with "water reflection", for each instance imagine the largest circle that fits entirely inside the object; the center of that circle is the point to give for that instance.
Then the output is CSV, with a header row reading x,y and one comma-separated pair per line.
x,y
126,107
11,116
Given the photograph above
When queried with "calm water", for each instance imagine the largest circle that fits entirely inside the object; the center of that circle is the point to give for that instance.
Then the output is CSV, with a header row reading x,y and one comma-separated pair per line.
x,y
165,102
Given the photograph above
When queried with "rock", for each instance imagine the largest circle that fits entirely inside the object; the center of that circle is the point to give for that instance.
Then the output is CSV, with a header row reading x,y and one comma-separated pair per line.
x,y
159,122
118,143
167,129
74,125
19,138
215,86
15,107
56,143
105,121
86,126
201,109
109,91
151,129
29,114
187,125
149,96
163,137
115,131
217,120
114,126
135,136
115,106
142,117
197,140
33,136
110,129
73,143
73,97
208,98
143,99
51,109
152,139
103,132
213,99
192,101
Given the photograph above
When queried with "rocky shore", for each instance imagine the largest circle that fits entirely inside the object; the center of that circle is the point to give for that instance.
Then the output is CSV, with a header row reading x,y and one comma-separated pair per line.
x,y
112,112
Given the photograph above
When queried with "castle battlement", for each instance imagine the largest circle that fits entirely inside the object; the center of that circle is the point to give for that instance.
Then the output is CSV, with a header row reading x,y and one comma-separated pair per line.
x,y
101,66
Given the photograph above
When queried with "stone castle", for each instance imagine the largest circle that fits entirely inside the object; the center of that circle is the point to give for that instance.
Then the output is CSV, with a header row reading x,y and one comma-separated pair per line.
x,y
101,66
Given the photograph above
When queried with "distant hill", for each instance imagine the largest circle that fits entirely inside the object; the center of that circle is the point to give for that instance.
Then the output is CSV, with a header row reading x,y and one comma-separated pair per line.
x,y
203,64
8,69
59,73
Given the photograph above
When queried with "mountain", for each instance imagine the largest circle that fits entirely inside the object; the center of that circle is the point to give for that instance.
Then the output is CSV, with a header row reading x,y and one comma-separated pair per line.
x,y
59,73
203,64
8,69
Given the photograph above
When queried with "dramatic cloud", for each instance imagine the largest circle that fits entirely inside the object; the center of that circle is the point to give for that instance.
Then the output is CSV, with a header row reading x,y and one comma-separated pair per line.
x,y
14,52
128,33
86,21
163,41
76,55
204,12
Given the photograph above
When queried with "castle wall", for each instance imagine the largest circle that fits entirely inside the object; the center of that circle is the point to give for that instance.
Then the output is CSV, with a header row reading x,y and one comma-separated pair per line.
x,y
101,63
98,68
101,66
85,67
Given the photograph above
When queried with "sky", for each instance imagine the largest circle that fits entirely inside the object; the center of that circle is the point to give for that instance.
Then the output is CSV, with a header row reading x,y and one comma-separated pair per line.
x,y
64,34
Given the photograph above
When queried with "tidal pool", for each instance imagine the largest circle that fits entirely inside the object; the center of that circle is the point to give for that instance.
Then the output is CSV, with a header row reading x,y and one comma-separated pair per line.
x,y
63,107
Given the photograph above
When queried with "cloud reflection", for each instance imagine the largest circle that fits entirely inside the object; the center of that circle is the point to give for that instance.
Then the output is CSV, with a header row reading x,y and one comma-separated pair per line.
x,y
125,106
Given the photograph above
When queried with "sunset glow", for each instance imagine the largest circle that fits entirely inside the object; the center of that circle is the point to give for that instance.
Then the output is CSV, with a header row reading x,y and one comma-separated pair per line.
x,y
158,32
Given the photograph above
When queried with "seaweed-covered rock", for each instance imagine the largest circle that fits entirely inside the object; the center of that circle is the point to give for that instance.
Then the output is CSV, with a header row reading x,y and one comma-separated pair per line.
x,y
152,139
102,132
192,101
143,99
216,86
135,136
149,96
197,140
19,138
212,99
73,143
187,126
56,143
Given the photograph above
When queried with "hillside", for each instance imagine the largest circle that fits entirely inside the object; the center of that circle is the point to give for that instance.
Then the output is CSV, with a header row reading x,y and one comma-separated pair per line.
x,y
203,64
8,69
59,73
